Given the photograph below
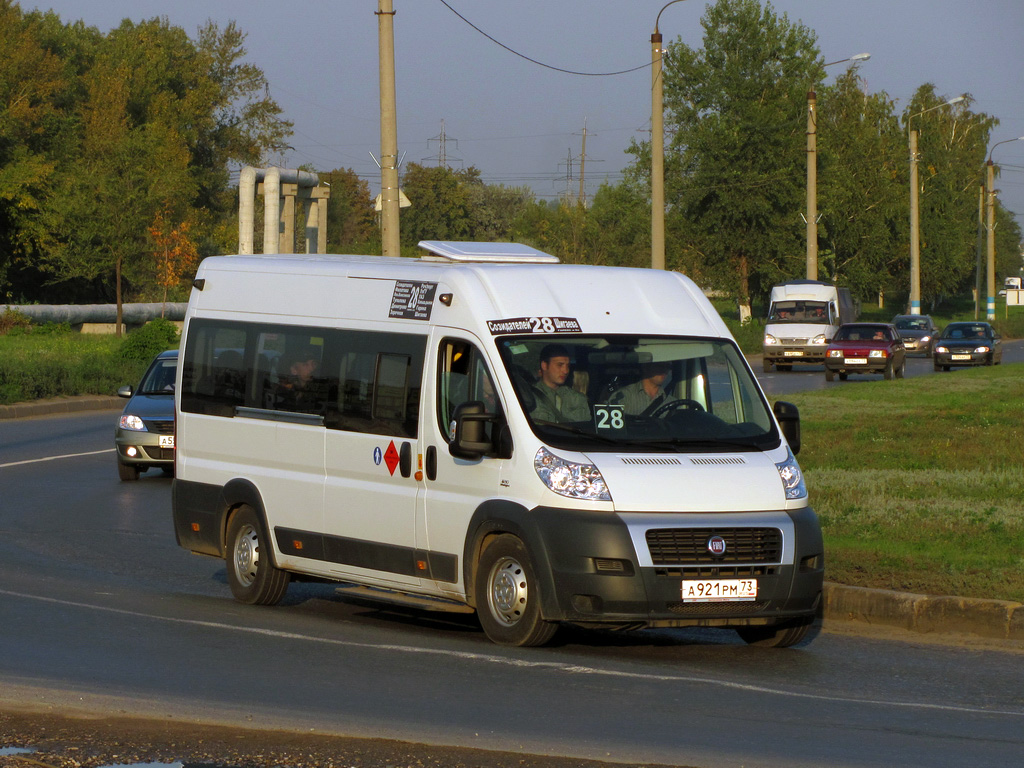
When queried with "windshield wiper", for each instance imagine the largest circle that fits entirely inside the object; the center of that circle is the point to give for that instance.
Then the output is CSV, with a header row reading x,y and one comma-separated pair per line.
x,y
577,431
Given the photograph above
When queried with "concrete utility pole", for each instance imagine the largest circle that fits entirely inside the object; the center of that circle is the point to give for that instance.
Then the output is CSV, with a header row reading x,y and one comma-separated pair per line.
x,y
390,244
990,184
990,177
658,148
915,211
812,185
812,172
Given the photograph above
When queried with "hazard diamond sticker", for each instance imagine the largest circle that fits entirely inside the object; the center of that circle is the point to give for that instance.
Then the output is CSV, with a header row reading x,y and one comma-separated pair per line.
x,y
391,457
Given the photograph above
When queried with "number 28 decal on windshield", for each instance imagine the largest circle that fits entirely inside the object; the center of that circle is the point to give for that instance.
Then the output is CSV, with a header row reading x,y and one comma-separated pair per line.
x,y
609,418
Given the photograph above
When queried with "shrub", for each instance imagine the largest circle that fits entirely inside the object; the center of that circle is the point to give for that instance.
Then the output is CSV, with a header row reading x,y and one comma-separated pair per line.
x,y
13,321
150,340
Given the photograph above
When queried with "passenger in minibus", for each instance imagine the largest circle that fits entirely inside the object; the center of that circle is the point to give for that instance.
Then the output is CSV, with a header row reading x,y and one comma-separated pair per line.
x,y
296,388
557,402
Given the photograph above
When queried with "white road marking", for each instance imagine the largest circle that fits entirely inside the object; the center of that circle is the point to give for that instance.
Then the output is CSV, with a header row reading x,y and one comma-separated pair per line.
x,y
556,666
54,458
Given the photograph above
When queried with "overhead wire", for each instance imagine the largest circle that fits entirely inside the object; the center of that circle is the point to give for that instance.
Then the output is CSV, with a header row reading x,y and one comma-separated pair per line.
x,y
535,61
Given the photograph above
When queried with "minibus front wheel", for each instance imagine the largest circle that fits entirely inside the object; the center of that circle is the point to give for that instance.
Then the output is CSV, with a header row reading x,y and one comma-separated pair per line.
x,y
251,575
508,604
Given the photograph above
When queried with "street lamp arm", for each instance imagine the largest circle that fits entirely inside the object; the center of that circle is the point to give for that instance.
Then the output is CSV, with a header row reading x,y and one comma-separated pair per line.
x,y
855,57
951,102
658,19
1005,141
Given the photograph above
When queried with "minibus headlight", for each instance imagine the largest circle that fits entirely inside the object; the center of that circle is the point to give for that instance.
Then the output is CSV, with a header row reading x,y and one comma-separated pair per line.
x,y
792,478
133,423
567,478
769,339
819,339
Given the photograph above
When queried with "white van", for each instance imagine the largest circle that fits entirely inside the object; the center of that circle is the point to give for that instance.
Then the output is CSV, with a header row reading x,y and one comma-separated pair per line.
x,y
487,429
803,316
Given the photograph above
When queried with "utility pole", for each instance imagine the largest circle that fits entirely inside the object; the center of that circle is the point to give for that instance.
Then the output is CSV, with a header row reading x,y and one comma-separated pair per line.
x,y
583,160
390,243
812,185
990,177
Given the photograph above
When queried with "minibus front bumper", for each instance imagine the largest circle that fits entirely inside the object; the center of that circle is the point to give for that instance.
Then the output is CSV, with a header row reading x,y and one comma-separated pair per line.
x,y
645,570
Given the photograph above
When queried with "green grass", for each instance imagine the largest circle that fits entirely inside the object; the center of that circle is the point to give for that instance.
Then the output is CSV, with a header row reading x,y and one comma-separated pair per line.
x,y
919,482
53,361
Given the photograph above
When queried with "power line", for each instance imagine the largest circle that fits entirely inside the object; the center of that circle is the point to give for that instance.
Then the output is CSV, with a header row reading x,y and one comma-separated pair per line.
x,y
534,61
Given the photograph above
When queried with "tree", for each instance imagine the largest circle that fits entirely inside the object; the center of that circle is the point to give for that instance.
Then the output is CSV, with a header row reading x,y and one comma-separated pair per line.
x,y
863,204
734,165
440,205
175,252
31,78
351,225
952,147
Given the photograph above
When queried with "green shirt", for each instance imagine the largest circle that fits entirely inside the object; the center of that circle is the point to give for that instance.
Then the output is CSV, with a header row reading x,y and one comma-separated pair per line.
x,y
560,404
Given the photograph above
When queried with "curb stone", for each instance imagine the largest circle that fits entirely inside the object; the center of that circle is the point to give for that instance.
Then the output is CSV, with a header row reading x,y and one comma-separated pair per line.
x,y
61,405
926,614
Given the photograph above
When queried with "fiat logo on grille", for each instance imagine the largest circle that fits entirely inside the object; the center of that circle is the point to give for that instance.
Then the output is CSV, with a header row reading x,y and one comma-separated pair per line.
x,y
716,546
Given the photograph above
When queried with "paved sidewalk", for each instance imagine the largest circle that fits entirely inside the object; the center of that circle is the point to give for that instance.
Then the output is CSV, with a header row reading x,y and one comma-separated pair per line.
x,y
926,614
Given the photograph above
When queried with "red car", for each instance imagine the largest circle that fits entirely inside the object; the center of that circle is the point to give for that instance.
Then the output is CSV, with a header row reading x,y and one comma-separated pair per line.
x,y
865,348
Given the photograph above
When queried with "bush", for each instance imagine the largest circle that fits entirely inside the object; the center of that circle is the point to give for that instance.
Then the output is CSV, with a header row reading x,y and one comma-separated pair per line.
x,y
13,321
149,341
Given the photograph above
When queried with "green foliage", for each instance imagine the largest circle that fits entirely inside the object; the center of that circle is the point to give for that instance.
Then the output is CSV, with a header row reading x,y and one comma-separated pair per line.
x,y
12,321
118,127
38,366
150,340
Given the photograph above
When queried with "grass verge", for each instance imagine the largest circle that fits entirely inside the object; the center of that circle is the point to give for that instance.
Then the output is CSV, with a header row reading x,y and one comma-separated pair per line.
x,y
919,482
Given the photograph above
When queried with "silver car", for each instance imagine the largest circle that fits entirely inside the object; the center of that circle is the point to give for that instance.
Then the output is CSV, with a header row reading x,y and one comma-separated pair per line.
x,y
145,432
918,333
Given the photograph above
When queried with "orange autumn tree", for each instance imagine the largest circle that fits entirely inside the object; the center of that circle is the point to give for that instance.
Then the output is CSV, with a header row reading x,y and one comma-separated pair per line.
x,y
175,251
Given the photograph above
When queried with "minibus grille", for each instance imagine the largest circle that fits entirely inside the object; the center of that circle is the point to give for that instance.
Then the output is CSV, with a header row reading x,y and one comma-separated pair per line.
x,y
715,609
689,546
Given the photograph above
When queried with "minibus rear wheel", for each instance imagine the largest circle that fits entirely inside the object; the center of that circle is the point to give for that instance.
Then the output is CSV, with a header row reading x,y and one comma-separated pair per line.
x,y
508,595
251,575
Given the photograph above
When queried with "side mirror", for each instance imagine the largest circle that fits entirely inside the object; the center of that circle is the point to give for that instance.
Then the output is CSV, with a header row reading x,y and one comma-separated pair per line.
x,y
467,431
125,391
789,422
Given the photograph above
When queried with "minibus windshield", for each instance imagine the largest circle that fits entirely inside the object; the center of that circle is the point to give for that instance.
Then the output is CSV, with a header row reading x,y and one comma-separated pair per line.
x,y
659,393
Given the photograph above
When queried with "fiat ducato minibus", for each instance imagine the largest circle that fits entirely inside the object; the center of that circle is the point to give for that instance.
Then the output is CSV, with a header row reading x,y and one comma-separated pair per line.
x,y
486,429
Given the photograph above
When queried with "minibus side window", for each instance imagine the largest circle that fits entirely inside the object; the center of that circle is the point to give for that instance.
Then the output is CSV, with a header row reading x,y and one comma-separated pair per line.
x,y
375,383
214,374
463,377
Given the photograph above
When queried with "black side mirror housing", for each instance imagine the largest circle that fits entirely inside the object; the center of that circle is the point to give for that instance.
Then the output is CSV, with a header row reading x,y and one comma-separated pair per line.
x,y
789,422
467,432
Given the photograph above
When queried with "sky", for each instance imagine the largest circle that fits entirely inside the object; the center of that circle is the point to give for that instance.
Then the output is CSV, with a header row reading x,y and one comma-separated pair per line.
x,y
521,123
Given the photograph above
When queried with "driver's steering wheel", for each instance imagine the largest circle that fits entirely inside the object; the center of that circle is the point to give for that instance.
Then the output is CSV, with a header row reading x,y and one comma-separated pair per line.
x,y
675,405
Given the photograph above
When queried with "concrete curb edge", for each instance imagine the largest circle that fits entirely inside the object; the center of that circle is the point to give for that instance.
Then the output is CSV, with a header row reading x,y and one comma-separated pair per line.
x,y
927,614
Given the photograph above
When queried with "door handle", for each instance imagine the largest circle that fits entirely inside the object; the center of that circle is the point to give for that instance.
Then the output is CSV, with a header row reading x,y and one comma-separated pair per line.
x,y
405,459
431,463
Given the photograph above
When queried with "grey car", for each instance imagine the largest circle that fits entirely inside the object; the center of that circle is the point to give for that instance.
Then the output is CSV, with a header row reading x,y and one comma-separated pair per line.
x,y
918,333
144,437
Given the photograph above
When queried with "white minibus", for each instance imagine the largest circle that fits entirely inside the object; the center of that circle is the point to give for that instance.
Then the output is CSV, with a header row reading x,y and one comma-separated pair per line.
x,y
485,429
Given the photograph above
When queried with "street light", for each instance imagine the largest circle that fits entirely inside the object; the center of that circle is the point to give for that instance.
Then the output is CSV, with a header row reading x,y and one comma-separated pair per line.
x,y
915,232
657,149
990,204
812,172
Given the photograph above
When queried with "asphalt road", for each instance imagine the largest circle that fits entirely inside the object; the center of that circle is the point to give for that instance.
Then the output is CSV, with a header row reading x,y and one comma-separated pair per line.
x,y
100,611
812,377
